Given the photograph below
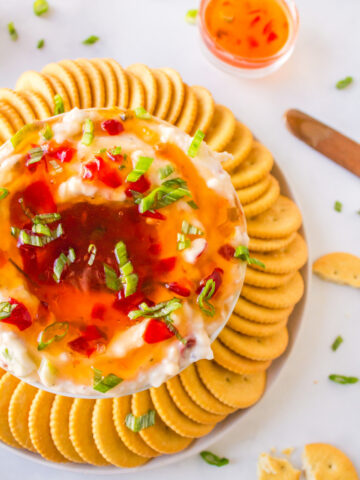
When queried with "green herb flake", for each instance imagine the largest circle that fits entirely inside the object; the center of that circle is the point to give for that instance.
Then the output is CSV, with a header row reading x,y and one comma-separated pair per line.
x,y
12,31
182,242
52,333
191,16
4,192
166,171
42,229
111,279
203,299
162,309
195,144
242,253
36,154
337,342
91,40
92,251
6,308
345,82
61,262
102,383
193,205
142,166
88,132
58,104
189,229
115,151
40,7
141,112
342,379
135,424
45,218
40,44
167,193
213,459
338,206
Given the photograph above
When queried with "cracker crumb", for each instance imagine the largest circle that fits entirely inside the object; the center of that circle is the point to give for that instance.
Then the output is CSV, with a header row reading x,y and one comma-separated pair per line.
x,y
271,468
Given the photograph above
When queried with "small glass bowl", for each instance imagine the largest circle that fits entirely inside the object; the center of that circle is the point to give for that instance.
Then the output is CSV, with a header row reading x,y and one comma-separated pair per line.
x,y
246,67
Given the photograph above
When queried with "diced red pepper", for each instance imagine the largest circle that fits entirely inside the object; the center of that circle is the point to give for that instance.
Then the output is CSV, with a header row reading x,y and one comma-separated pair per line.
x,y
216,276
92,332
81,345
272,36
63,153
98,311
139,186
38,198
255,21
165,265
117,158
97,168
157,215
227,251
112,126
178,289
253,42
126,304
20,316
156,331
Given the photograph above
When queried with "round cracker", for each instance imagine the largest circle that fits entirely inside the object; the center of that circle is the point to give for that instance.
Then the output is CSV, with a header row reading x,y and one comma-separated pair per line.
x,y
81,80
187,406
110,81
107,439
67,79
239,146
178,94
38,104
205,110
39,427
6,129
253,329
200,394
19,103
136,91
188,113
59,428
240,391
18,414
253,192
173,417
323,461
96,82
264,202
280,297
282,219
11,115
147,78
122,83
36,82
60,90
159,436
237,363
269,245
221,129
287,260
255,167
266,280
260,314
164,88
339,267
133,441
80,428
8,384
256,348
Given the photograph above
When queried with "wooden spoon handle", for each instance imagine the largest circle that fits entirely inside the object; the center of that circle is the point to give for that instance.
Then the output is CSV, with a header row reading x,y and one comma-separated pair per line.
x,y
324,139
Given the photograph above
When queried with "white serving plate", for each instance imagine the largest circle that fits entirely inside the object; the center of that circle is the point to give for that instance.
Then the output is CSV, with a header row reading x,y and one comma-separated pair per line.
x,y
232,420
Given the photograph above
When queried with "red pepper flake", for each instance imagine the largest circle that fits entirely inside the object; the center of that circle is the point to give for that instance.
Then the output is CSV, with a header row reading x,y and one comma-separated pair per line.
x,y
227,251
272,36
112,126
267,28
255,21
156,331
98,311
117,158
216,276
126,304
165,265
253,42
20,316
140,186
178,289
156,215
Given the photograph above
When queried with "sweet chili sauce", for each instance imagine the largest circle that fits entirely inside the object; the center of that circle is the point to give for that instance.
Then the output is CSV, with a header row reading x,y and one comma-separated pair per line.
x,y
248,28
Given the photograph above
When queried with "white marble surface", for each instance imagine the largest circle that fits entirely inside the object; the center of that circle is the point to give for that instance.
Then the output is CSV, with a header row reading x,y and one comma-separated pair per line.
x,y
303,406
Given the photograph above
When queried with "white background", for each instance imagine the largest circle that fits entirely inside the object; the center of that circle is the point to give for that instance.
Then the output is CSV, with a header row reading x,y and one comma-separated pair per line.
x,y
303,406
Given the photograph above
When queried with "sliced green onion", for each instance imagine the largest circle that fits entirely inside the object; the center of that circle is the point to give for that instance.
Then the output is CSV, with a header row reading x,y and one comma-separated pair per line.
x,y
135,424
130,283
92,251
45,218
40,7
242,253
4,192
61,262
46,132
170,325
195,144
337,342
160,310
111,279
128,278
58,168
6,309
213,459
36,154
142,166
6,354
344,83
193,205
52,333
71,255
169,192
115,151
88,132
58,104
182,242
42,229
140,112
91,40
12,31
189,229
104,384
22,133
203,299
338,206
191,16
164,172
25,238
342,379
40,44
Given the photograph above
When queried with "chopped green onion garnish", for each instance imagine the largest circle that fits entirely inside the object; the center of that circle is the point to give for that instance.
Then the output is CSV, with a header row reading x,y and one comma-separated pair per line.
x,y
195,144
203,299
61,262
130,283
191,16
160,310
88,132
36,154
242,253
111,279
344,83
92,251
58,168
6,309
142,166
27,238
115,151
140,112
193,205
189,229
12,31
213,459
45,218
337,342
43,229
169,192
91,40
40,7
170,325
40,43
4,192
59,104
52,333
338,206
342,379
128,278
164,172
183,242
135,424
71,255
46,132
21,134
104,384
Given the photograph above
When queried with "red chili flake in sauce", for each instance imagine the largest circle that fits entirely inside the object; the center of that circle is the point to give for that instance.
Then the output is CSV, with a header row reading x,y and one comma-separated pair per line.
x,y
20,316
165,265
255,21
178,289
126,304
140,186
267,28
227,251
216,275
253,42
112,126
98,311
156,215
272,36
85,343
156,331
